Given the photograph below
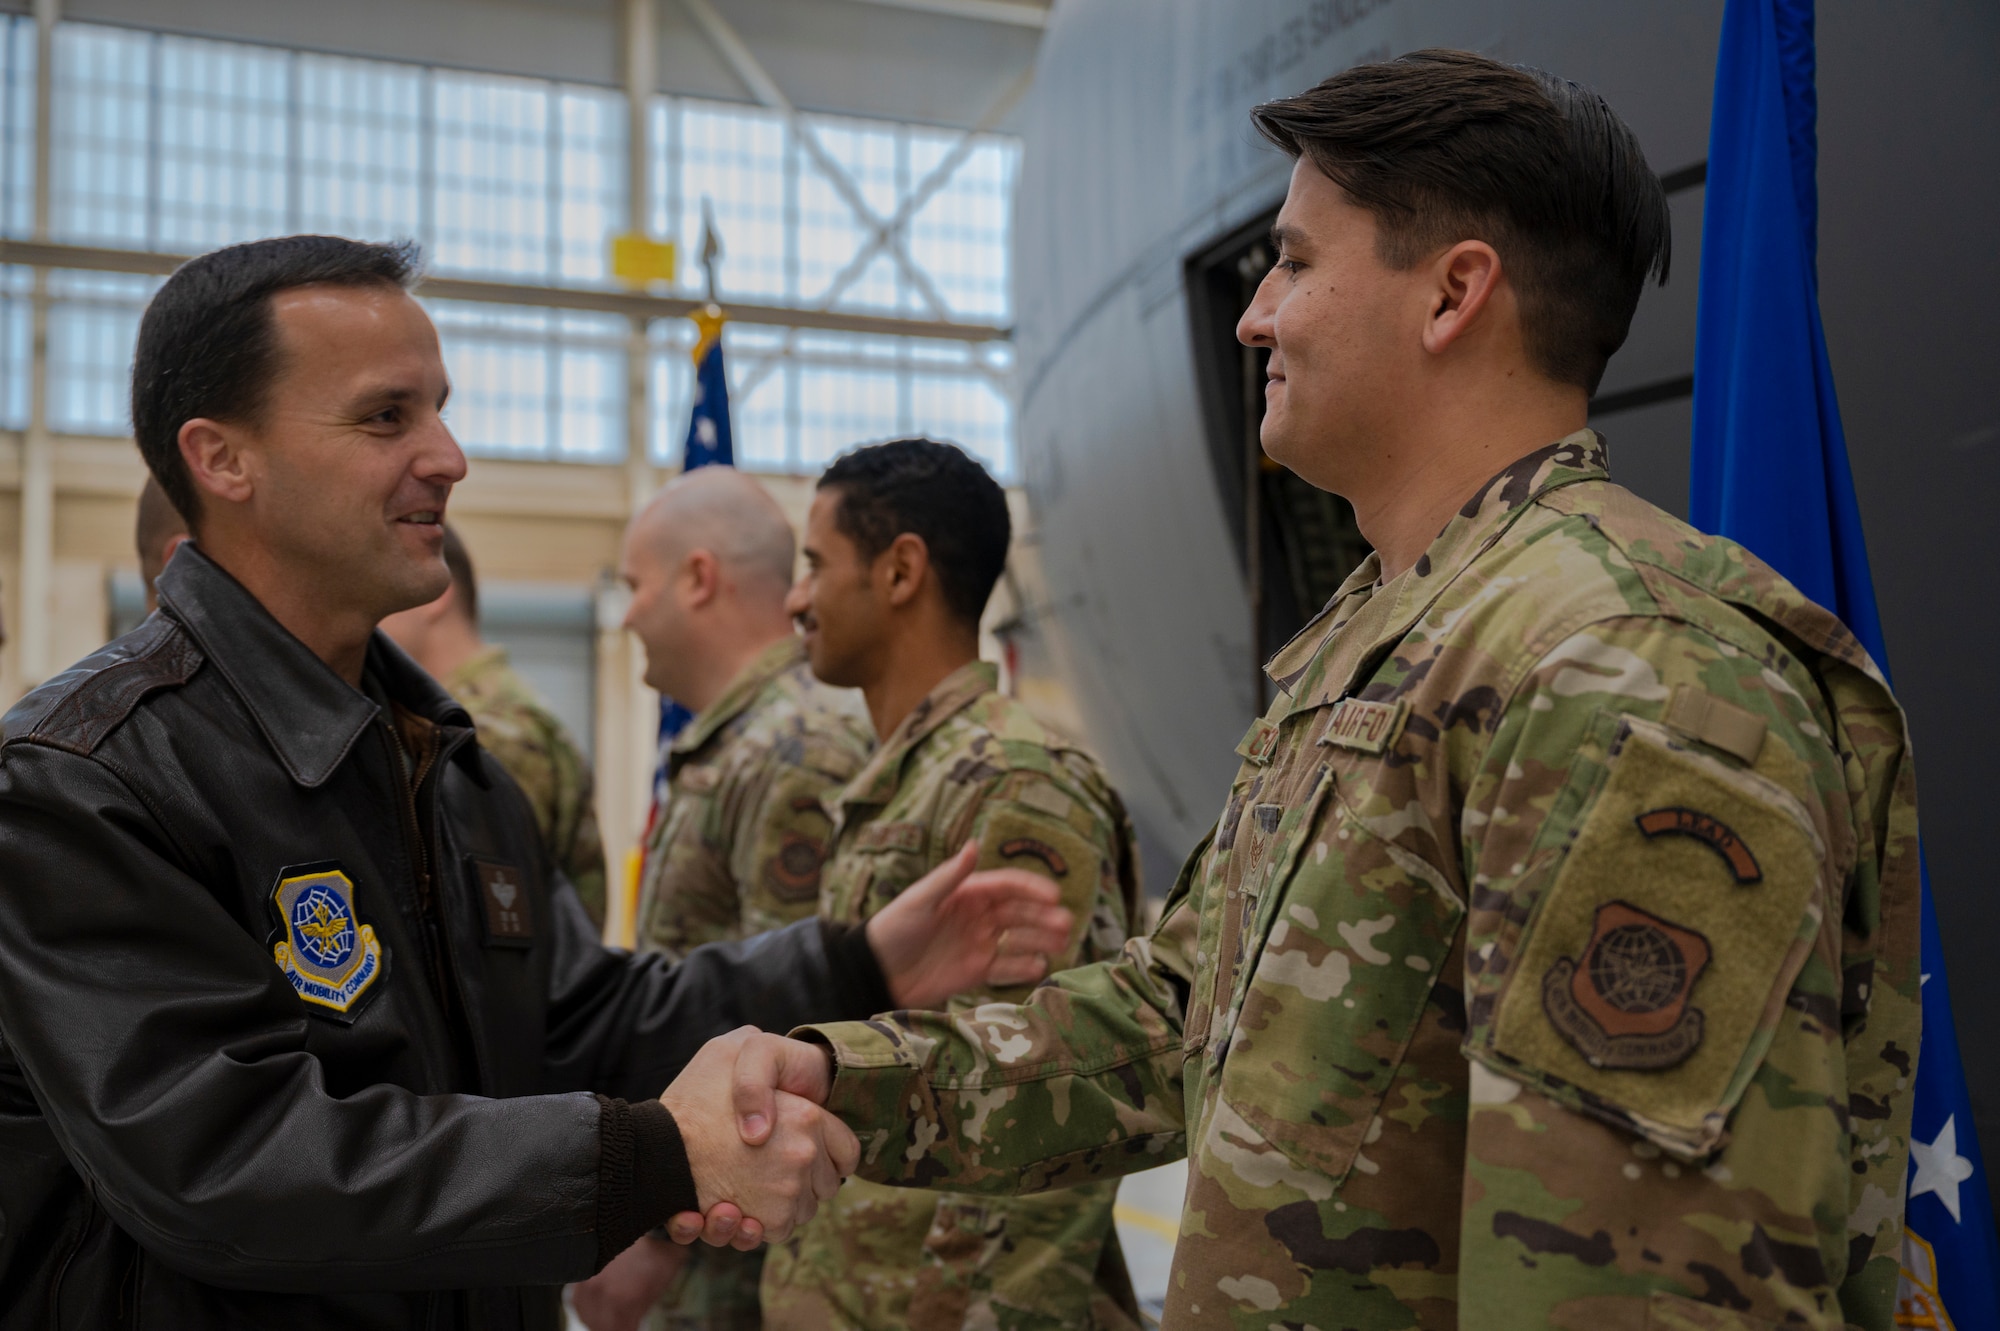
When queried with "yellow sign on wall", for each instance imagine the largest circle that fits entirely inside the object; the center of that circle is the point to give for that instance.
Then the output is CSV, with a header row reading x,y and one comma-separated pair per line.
x,y
640,261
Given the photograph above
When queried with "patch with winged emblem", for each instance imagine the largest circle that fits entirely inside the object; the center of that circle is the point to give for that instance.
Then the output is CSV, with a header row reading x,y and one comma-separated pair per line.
x,y
330,957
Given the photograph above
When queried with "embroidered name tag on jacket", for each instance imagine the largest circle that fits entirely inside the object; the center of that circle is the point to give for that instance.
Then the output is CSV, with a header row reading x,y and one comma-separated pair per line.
x,y
330,957
1369,727
509,922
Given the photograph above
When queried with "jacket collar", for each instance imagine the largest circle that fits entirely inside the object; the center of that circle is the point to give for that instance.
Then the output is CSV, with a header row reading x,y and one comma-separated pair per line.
x,y
876,783
767,665
1322,663
308,714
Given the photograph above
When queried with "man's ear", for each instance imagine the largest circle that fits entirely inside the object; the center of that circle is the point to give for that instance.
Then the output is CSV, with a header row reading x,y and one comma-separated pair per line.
x,y
701,578
1465,279
906,565
217,460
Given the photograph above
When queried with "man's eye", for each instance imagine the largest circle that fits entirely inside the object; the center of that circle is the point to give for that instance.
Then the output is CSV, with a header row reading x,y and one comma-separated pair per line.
x,y
386,416
1291,266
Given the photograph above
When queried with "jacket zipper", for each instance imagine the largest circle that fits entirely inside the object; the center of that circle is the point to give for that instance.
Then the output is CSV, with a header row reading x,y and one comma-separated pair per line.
x,y
430,918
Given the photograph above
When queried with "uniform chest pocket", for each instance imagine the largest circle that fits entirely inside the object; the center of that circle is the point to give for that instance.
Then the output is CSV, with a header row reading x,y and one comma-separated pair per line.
x,y
870,867
1354,931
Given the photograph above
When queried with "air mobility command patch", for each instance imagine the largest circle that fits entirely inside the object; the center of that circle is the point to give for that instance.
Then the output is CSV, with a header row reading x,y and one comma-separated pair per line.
x,y
1682,904
330,957
1625,1005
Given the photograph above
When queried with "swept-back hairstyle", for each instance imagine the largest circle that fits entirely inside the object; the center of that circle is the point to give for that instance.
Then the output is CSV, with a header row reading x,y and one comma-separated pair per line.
x,y
1444,146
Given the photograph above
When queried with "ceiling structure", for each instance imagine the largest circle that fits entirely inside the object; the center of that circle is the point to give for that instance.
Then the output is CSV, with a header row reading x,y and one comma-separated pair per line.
x,y
939,62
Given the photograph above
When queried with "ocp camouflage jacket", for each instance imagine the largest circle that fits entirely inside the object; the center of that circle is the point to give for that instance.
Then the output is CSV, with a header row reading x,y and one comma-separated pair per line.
x,y
1552,964
740,838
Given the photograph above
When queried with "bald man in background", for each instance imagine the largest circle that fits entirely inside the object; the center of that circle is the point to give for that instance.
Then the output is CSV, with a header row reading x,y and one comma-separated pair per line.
x,y
159,532
736,846
512,722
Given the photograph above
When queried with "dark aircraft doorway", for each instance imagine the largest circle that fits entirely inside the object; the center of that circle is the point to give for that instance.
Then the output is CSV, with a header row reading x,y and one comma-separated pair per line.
x,y
1296,544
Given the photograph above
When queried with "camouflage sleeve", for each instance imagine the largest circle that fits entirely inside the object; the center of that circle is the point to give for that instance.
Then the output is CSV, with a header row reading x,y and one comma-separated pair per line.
x,y
1059,826
1080,1082
777,832
1669,889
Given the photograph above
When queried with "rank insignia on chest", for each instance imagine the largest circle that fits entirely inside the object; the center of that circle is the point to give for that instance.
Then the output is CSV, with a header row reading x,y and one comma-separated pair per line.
x,y
1625,1004
503,898
330,957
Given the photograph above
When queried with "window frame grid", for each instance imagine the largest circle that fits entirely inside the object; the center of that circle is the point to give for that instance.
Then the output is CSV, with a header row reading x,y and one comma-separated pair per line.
x,y
877,154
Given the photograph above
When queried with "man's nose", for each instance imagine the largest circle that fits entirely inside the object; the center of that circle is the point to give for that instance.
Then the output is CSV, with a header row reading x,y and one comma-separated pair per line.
x,y
798,600
1255,328
442,460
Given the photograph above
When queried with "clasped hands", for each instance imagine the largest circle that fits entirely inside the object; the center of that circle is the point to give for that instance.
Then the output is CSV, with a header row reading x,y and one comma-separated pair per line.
x,y
764,1152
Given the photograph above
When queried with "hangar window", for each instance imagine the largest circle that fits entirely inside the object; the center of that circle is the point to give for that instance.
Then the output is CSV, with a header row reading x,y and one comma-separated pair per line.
x,y
167,143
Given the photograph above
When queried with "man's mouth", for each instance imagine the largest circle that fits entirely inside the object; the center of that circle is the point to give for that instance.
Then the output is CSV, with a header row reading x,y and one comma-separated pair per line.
x,y
429,517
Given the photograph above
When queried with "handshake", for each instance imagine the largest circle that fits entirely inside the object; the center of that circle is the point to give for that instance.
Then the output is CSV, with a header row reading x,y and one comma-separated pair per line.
x,y
764,1152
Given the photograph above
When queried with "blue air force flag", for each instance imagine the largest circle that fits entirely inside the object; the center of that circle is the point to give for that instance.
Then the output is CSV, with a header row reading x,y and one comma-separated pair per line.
x,y
1771,471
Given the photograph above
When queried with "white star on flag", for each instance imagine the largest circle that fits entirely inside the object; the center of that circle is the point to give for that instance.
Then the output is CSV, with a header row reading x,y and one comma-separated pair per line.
x,y
1940,1168
704,430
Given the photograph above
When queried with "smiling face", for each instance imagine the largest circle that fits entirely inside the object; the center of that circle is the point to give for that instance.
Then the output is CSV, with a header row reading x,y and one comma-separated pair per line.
x,y
841,601
1344,331
351,464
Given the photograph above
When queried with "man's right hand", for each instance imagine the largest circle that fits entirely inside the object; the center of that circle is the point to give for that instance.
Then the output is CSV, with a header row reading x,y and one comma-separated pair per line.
x,y
768,1072
776,1177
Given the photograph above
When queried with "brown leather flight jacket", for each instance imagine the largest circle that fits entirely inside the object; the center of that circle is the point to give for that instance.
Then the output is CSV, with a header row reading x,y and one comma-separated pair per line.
x,y
298,1024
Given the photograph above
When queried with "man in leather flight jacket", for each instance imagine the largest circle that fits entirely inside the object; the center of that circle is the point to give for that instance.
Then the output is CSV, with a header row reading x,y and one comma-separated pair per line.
x,y
299,1026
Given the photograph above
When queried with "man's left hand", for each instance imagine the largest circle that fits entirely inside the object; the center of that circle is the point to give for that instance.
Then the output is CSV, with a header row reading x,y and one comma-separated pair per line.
x,y
954,930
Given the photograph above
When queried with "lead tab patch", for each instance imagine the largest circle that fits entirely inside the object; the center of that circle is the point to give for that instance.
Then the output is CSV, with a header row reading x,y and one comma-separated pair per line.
x,y
509,921
328,955
1712,831
1369,727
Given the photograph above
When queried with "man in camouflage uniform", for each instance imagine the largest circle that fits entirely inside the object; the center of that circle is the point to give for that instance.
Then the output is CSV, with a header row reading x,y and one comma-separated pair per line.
x,y
903,546
1553,962
736,845
513,724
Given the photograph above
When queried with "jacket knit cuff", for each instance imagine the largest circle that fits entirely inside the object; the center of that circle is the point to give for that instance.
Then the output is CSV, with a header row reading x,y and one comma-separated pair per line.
x,y
858,982
643,1175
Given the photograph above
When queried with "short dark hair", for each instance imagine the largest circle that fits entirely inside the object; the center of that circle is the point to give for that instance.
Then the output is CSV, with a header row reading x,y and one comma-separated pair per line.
x,y
209,347
934,491
458,562
1444,146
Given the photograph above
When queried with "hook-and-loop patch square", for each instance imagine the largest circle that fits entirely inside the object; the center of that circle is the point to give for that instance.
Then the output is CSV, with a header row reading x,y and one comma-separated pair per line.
x,y
1653,969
